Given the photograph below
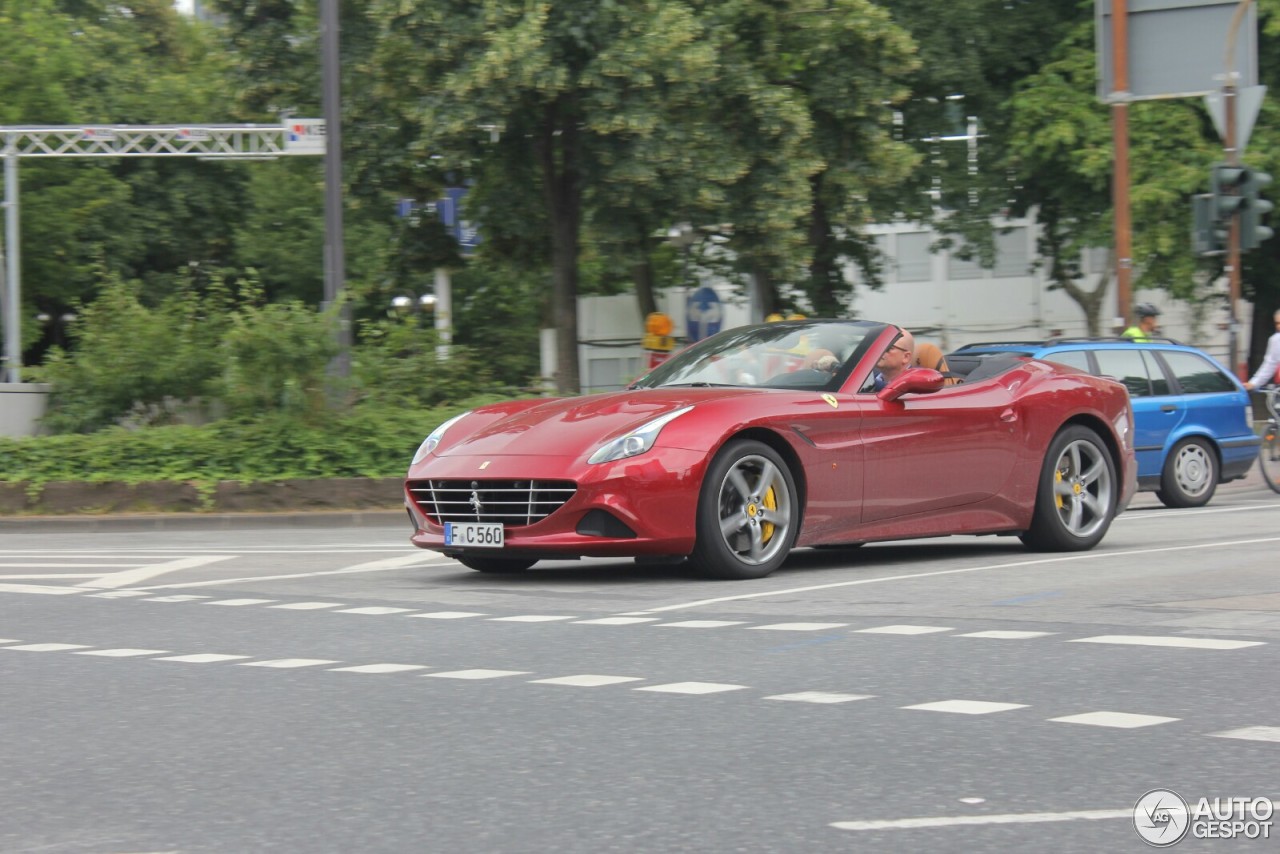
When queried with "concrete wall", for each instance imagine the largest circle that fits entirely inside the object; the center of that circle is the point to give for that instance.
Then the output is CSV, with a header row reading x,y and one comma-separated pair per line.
x,y
22,405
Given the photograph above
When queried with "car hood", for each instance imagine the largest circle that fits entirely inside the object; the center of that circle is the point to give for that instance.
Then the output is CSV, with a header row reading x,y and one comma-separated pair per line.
x,y
573,426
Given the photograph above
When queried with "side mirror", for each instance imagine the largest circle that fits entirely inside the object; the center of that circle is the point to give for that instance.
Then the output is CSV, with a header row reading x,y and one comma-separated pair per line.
x,y
912,381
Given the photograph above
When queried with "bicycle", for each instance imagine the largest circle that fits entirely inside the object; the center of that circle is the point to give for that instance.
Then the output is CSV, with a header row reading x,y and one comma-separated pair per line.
x,y
1269,450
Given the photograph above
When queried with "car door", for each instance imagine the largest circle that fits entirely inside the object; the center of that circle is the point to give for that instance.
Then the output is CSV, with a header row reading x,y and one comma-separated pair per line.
x,y
929,452
1212,404
1156,413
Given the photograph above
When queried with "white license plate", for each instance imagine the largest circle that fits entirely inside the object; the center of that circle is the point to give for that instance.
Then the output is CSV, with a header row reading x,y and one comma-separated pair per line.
x,y
475,535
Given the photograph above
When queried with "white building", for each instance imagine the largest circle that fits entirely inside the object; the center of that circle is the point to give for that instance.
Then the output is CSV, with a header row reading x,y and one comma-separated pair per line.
x,y
938,295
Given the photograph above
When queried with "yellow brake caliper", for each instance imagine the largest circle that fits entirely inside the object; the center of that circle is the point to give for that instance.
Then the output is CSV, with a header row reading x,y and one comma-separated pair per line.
x,y
766,528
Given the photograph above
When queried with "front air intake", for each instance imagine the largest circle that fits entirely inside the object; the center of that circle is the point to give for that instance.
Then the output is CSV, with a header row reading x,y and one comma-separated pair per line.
x,y
513,503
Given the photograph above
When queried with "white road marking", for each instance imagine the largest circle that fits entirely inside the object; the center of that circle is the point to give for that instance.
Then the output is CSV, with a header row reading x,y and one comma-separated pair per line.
x,y
122,653
379,668
904,630
820,697
528,618
10,640
615,621
966,707
799,627
586,680
477,674
203,658
702,624
114,594
47,565
130,577
1003,635
1186,643
421,558
954,821
48,647
374,609
180,597
1049,561
307,606
286,663
1119,720
237,603
37,588
692,688
1251,733
449,615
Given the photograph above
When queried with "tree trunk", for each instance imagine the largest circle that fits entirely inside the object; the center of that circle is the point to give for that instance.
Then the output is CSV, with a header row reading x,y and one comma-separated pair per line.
x,y
562,185
826,302
642,277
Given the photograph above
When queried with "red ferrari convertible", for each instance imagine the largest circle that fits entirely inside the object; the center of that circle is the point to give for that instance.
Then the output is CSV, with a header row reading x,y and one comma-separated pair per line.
x,y
766,438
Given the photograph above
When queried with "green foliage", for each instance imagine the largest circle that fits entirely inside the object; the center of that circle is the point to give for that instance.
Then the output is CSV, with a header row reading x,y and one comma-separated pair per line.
x,y
277,356
369,441
133,360
398,363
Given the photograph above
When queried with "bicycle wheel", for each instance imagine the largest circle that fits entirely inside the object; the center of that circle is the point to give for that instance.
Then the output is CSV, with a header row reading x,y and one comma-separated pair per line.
x,y
1269,456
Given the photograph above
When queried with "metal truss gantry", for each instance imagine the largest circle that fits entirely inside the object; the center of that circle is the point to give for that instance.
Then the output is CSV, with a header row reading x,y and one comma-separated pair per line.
x,y
214,142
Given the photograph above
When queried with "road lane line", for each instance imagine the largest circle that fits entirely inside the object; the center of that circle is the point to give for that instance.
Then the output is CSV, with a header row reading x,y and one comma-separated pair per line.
x,y
371,566
966,707
1184,643
1094,555
956,820
1119,720
130,577
692,688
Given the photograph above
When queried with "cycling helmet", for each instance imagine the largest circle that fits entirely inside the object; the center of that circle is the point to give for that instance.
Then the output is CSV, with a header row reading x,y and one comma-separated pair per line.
x,y
1146,309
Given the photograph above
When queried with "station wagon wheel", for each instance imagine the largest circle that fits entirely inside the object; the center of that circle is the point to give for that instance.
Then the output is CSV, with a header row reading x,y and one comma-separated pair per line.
x,y
1076,495
495,564
1190,475
748,513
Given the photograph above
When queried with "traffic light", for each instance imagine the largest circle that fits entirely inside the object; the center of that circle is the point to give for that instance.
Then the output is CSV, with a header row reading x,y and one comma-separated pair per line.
x,y
1252,231
1207,238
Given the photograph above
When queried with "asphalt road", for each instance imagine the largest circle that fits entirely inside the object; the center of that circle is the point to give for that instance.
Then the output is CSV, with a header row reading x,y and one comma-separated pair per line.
x,y
325,688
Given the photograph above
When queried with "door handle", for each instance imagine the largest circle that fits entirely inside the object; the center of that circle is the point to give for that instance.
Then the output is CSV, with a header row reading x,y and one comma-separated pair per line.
x,y
1168,408
1008,416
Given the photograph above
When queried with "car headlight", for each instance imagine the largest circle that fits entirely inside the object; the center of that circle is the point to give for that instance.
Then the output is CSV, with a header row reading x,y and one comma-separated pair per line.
x,y
429,444
637,441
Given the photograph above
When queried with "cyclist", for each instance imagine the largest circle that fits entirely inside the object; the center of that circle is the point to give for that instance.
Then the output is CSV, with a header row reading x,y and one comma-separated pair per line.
x,y
1266,372
1147,314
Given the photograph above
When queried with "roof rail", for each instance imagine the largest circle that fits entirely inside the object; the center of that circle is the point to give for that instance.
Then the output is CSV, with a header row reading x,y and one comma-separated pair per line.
x,y
1072,339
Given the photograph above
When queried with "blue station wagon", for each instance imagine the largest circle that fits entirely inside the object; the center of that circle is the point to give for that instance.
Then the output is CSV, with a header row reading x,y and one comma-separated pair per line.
x,y
1191,416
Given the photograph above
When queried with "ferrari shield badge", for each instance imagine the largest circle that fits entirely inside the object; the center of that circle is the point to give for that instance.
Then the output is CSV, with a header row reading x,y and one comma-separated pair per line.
x,y
831,399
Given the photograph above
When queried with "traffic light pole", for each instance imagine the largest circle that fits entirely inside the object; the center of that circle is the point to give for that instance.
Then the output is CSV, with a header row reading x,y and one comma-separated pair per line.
x,y
1232,156
1120,145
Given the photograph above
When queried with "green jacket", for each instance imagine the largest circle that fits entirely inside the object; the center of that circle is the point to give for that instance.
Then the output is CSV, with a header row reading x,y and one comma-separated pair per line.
x,y
1136,333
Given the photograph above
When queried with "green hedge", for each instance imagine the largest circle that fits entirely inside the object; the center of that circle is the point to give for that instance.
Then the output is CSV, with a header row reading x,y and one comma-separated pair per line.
x,y
366,442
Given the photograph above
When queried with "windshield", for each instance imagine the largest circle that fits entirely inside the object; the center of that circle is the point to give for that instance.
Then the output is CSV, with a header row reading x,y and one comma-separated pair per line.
x,y
808,354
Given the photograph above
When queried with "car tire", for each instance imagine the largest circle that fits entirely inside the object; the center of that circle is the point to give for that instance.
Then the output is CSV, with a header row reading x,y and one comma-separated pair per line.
x,y
1190,475
1076,495
748,513
498,565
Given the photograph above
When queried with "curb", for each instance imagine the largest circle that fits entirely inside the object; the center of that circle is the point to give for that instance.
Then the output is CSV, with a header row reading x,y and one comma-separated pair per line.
x,y
85,524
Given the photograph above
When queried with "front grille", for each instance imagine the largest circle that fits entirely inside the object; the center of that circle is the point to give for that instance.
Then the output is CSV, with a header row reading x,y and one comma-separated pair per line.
x,y
511,502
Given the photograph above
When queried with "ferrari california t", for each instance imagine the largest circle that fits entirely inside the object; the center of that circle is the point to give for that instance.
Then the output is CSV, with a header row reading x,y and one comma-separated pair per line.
x,y
766,438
